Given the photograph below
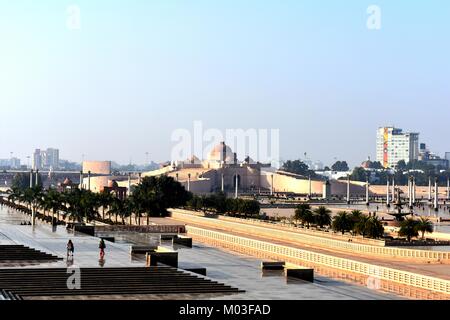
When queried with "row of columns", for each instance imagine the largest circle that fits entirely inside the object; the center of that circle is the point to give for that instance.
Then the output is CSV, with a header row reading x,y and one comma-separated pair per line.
x,y
82,178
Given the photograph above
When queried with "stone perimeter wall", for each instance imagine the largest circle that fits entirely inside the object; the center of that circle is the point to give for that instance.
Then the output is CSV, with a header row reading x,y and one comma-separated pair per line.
x,y
289,236
294,255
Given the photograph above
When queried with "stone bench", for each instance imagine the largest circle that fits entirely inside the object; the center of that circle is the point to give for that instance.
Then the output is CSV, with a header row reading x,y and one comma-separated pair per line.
x,y
182,240
141,249
162,255
272,265
167,237
299,272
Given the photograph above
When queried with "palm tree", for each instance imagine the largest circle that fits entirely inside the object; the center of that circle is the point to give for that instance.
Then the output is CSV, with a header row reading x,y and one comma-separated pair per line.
x,y
408,229
342,222
307,218
105,198
128,207
424,225
322,216
301,210
116,208
53,201
360,225
374,228
14,194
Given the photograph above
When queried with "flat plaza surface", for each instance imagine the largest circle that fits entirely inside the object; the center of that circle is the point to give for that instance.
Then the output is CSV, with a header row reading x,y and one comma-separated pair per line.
x,y
412,265
232,269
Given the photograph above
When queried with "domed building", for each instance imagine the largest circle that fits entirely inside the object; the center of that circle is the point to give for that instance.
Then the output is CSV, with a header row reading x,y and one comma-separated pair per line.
x,y
221,154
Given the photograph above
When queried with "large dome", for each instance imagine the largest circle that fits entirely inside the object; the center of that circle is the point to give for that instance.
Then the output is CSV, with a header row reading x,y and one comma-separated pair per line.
x,y
221,152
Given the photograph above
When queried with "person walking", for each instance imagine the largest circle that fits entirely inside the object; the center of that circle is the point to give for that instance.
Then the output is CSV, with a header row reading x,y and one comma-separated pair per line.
x,y
70,248
102,247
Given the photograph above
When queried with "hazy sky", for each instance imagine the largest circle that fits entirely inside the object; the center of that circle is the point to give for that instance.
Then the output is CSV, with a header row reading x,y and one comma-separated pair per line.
x,y
137,70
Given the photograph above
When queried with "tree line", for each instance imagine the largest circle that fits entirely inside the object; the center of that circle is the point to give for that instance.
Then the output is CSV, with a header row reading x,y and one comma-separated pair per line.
x,y
355,222
151,198
220,204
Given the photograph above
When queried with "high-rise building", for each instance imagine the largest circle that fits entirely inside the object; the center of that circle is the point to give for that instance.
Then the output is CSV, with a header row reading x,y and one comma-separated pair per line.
x,y
394,145
37,160
45,159
51,158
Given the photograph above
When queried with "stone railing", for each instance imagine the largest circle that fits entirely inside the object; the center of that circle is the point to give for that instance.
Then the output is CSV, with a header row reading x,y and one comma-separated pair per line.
x,y
295,237
292,228
143,229
295,255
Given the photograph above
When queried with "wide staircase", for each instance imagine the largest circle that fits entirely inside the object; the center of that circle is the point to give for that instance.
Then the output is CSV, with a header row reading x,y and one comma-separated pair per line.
x,y
128,281
22,253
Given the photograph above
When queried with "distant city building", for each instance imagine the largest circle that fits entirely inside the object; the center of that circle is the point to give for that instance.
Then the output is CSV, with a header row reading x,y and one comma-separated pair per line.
x,y
394,145
15,163
45,159
428,157
37,160
50,158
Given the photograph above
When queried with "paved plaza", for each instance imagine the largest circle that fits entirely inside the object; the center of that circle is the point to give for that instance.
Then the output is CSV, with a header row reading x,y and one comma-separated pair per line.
x,y
232,269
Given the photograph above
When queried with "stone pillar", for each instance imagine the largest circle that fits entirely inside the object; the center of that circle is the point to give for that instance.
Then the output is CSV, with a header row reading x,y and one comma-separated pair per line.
x,y
31,178
129,184
189,182
388,201
222,183
429,189
436,195
367,192
89,181
413,191
326,190
410,191
348,189
310,188
81,180
448,188
271,185
393,188
236,188
176,176
37,177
